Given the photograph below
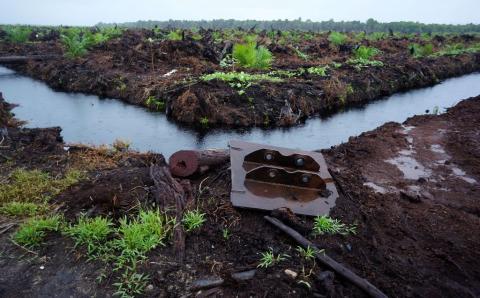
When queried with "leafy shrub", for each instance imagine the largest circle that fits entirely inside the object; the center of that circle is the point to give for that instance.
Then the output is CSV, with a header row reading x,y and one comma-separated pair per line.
x,y
337,38
252,56
18,34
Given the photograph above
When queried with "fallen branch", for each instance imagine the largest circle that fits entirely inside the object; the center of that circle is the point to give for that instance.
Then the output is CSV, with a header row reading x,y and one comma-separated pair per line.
x,y
326,260
21,59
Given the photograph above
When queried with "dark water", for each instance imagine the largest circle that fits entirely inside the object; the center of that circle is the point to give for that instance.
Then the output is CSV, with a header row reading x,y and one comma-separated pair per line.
x,y
90,120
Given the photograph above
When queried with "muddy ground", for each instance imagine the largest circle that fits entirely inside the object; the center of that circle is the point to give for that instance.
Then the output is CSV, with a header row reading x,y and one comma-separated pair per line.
x,y
132,68
411,188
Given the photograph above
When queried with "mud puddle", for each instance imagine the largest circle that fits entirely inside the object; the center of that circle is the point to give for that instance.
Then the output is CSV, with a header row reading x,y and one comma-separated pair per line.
x,y
91,120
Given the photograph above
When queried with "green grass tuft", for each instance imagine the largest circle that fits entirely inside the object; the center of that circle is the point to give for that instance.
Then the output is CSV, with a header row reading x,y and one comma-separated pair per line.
x,y
327,225
35,186
21,209
91,232
32,232
193,220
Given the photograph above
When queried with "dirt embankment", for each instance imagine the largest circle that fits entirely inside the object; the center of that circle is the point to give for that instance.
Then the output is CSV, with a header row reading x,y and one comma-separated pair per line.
x,y
133,69
411,188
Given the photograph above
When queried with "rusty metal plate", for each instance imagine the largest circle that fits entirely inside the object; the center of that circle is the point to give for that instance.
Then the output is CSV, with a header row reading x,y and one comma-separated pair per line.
x,y
268,177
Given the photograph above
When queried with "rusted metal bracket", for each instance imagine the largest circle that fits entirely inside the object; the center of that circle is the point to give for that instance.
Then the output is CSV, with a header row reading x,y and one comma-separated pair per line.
x,y
267,177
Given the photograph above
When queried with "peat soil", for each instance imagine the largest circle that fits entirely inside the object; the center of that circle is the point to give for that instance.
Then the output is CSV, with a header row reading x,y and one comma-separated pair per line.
x,y
412,189
134,68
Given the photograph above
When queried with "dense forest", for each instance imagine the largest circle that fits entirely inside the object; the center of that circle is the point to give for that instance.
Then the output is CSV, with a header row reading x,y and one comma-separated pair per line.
x,y
370,25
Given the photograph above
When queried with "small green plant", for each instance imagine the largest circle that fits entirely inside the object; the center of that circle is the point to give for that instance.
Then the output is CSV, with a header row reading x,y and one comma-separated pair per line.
x,y
91,232
193,219
153,102
318,70
121,145
306,253
301,54
360,63
174,35
269,259
366,53
336,65
337,38
250,55
418,51
327,225
32,232
226,233
75,45
131,284
204,121
22,209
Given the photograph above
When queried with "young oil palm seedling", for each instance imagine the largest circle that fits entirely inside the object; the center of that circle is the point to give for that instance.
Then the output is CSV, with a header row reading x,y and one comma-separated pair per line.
x,y
18,34
326,225
250,55
418,51
337,39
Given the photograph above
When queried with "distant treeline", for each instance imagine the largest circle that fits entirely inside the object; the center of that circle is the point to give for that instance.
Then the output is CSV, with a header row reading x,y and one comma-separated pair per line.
x,y
369,26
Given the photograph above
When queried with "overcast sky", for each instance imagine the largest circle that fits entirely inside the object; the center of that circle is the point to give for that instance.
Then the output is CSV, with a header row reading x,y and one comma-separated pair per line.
x,y
90,12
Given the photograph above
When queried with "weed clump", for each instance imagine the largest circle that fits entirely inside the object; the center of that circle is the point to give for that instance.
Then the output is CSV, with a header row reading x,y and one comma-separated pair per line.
x,y
269,259
32,232
91,232
35,186
193,219
20,209
18,34
250,55
327,225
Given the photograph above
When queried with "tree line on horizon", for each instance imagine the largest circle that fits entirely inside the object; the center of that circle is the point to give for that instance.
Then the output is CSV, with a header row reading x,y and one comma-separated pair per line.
x,y
369,26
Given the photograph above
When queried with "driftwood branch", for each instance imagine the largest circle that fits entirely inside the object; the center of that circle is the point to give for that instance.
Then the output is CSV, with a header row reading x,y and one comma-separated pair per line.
x,y
326,260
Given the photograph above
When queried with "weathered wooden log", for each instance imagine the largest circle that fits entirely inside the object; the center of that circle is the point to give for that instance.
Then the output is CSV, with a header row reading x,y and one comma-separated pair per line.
x,y
23,59
326,260
185,163
170,195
